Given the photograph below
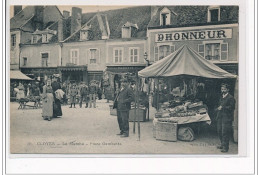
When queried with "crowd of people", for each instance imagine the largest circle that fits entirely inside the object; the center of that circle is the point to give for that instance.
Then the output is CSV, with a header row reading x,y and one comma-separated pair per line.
x,y
53,93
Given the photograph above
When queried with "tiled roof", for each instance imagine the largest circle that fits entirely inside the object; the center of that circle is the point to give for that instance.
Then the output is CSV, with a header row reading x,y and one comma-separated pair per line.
x,y
195,15
23,17
113,20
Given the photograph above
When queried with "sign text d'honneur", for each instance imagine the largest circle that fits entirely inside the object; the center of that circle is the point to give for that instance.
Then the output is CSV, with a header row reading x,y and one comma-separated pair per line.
x,y
194,35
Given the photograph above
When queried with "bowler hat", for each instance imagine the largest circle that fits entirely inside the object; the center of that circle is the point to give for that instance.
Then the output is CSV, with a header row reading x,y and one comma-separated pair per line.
x,y
225,85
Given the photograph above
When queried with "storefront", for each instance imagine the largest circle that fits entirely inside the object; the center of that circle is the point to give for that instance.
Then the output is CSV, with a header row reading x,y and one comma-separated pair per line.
x,y
74,74
40,74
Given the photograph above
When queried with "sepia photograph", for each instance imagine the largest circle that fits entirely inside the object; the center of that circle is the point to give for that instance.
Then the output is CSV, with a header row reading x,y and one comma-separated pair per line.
x,y
144,79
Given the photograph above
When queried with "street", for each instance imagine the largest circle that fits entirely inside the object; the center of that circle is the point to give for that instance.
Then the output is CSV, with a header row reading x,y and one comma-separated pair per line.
x,y
93,130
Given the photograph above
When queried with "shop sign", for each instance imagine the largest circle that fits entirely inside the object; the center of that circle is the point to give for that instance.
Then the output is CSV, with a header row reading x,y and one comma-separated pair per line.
x,y
194,35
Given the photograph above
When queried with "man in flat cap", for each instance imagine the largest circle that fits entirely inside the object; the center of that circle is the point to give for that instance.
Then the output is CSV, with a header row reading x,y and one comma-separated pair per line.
x,y
122,103
225,115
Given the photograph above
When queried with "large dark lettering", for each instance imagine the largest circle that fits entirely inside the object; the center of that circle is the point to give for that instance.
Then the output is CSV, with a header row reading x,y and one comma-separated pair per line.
x,y
193,35
185,36
211,34
176,36
160,37
221,33
168,36
201,35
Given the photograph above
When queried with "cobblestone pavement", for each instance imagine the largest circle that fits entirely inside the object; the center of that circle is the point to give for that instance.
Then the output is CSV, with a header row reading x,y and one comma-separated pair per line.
x,y
93,130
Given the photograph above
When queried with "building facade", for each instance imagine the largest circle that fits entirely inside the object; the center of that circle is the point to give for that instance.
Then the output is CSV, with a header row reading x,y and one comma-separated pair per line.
x,y
24,23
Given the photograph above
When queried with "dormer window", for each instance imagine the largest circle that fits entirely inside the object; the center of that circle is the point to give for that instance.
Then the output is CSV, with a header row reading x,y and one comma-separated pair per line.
x,y
44,38
84,33
165,17
213,14
35,39
128,29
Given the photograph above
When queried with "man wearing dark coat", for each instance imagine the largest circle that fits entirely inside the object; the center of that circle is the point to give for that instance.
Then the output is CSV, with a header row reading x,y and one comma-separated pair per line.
x,y
57,106
122,103
225,115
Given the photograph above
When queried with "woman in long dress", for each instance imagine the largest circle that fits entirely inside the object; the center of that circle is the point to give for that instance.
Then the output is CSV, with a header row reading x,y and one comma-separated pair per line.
x,y
47,101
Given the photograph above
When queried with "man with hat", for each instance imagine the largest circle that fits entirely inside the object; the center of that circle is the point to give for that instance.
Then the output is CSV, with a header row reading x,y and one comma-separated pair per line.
x,y
73,94
122,103
83,90
92,94
225,115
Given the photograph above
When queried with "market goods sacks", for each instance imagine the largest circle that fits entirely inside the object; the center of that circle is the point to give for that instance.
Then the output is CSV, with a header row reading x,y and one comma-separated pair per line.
x,y
185,134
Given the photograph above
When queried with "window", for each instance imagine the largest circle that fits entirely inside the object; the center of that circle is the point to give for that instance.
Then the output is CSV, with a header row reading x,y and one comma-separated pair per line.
x,y
162,51
44,38
13,40
94,56
134,55
83,35
34,39
214,51
213,14
118,55
45,59
74,56
24,61
165,17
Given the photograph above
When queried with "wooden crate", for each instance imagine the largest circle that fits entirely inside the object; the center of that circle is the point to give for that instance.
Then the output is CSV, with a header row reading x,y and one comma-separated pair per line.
x,y
166,131
141,115
112,111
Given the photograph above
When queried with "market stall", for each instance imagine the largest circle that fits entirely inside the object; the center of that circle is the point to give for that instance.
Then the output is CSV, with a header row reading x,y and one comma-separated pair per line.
x,y
184,77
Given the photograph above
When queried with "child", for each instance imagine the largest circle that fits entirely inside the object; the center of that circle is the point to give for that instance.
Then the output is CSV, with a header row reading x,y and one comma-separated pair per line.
x,y
73,93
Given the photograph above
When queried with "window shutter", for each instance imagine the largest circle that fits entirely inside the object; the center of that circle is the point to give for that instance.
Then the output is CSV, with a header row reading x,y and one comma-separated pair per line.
x,y
49,59
172,48
224,52
156,55
98,56
77,52
201,49
89,56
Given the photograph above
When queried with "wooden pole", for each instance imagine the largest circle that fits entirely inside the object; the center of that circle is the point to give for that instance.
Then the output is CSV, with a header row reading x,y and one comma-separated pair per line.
x,y
148,111
135,105
137,92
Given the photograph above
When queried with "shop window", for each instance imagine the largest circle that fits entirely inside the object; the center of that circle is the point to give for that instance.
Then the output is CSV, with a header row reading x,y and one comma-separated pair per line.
x,y
94,56
118,55
162,51
213,14
13,40
74,56
45,59
134,55
24,61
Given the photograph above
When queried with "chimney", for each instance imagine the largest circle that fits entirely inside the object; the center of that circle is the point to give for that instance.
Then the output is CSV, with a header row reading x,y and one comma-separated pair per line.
x,y
75,19
17,9
66,14
154,10
38,17
60,29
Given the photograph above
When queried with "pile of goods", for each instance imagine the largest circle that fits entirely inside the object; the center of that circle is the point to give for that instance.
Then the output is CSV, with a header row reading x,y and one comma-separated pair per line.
x,y
187,108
